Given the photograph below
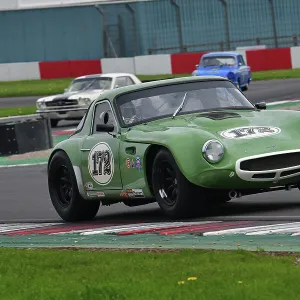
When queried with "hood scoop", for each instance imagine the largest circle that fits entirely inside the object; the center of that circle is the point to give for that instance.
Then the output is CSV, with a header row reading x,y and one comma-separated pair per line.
x,y
219,115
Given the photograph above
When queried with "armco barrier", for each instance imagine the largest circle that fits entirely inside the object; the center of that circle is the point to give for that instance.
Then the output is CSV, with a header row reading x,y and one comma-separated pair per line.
x,y
181,63
24,134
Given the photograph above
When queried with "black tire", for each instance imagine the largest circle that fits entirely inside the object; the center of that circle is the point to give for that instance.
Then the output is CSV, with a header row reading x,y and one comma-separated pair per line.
x,y
54,122
69,204
183,199
245,88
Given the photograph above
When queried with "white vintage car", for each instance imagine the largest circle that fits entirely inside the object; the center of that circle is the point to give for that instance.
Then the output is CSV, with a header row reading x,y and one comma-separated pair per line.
x,y
72,104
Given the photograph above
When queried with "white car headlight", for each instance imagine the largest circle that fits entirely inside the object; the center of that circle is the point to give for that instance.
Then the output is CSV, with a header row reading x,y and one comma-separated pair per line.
x,y
213,151
85,101
40,105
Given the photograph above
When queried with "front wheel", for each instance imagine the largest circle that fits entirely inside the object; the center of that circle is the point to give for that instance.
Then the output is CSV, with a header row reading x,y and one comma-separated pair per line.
x,y
176,196
64,193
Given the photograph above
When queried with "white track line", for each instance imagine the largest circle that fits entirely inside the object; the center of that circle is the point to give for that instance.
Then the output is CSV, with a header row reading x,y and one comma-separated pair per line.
x,y
23,165
133,227
248,230
290,230
282,102
17,227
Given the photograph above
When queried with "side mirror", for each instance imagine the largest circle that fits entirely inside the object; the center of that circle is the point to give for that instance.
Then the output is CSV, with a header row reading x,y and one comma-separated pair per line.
x,y
197,66
105,127
65,90
261,105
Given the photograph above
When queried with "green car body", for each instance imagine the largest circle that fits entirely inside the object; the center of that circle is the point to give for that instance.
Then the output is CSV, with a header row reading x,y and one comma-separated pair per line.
x,y
270,137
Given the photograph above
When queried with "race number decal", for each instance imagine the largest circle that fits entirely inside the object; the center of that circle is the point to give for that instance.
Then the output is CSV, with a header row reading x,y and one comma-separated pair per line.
x,y
101,164
250,132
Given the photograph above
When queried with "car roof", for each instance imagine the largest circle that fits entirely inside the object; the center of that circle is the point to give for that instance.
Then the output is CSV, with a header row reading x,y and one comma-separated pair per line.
x,y
229,53
136,87
113,75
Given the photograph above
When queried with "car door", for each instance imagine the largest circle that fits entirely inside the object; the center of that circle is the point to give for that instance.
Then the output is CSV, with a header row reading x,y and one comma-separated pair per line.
x,y
100,152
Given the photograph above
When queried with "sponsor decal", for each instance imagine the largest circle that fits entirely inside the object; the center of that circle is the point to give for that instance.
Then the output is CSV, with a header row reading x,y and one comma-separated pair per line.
x,y
134,163
128,163
96,194
250,132
138,163
124,194
132,193
101,163
89,185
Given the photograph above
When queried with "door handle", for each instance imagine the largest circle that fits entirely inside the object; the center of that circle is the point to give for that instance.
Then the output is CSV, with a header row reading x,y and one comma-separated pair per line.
x,y
85,150
130,150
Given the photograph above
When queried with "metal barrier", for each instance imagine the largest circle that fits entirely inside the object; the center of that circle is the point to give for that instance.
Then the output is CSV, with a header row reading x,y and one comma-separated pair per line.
x,y
22,134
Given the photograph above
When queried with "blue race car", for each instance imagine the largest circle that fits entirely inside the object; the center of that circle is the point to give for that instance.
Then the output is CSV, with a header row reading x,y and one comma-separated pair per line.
x,y
225,64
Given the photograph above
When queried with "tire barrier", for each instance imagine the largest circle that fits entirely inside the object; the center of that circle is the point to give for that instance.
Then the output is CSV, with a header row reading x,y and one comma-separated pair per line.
x,y
24,134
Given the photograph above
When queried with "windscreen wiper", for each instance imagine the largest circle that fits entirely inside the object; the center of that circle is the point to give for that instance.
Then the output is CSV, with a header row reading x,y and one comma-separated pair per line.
x,y
180,106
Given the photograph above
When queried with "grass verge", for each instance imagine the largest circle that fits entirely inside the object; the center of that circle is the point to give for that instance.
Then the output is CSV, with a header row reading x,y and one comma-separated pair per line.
x,y
17,111
56,86
81,274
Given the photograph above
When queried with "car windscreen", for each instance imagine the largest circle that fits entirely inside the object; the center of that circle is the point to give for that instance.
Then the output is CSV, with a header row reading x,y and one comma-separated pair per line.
x,y
162,101
210,61
98,83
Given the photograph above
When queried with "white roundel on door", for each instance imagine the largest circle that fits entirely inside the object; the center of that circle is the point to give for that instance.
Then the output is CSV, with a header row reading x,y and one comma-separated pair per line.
x,y
101,163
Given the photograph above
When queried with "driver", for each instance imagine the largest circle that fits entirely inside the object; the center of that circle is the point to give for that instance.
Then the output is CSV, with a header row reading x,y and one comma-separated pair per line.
x,y
128,112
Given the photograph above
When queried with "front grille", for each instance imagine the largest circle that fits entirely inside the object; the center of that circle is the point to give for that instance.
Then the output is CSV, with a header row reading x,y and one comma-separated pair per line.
x,y
273,162
61,102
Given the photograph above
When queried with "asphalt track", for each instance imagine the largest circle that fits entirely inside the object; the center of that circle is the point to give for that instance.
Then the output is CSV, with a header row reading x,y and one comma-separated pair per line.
x,y
24,190
268,91
24,197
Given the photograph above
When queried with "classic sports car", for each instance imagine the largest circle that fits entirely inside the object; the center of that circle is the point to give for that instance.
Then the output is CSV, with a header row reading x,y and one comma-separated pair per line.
x,y
73,104
230,65
185,143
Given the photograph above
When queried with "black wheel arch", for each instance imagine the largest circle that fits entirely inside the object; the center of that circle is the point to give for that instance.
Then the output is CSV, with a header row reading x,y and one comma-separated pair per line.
x,y
52,154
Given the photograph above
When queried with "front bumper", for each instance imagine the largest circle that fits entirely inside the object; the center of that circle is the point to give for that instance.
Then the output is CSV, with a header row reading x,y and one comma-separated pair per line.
x,y
255,172
63,113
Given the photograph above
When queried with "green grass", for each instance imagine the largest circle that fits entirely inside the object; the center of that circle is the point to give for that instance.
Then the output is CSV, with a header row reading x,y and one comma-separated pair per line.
x,y
55,86
88,275
17,111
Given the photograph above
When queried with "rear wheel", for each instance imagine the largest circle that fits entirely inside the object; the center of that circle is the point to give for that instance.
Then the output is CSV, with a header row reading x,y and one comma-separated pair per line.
x,y
176,196
64,193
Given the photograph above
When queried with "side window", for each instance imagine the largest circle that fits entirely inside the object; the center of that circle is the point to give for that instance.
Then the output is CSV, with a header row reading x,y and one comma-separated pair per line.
x,y
123,81
103,115
241,60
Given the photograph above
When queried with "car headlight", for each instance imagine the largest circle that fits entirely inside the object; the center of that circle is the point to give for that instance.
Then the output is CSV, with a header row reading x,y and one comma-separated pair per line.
x,y
85,101
213,151
40,105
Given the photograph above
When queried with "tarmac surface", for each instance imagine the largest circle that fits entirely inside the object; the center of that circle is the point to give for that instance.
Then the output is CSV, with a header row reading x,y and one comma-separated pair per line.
x,y
268,91
25,197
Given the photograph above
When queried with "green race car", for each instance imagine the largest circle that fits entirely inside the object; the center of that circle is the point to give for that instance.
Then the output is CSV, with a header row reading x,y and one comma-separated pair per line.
x,y
185,143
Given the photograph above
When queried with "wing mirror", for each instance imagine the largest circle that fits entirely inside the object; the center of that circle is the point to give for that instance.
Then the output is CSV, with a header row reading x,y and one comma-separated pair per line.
x,y
197,66
65,90
261,105
105,127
